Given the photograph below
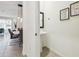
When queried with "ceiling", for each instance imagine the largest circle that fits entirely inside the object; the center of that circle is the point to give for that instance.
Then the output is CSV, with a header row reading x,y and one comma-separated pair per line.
x,y
9,8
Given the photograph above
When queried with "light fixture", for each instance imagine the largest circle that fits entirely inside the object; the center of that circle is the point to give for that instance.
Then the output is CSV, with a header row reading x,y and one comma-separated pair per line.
x,y
19,10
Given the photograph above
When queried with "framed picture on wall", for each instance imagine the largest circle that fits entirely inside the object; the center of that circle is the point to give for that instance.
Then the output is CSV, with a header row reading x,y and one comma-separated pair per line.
x,y
41,19
64,14
74,9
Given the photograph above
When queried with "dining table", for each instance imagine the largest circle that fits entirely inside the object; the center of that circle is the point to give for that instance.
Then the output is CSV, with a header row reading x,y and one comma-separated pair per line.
x,y
16,32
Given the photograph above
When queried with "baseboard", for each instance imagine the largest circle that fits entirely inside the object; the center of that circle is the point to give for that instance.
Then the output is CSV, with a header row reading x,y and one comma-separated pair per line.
x,y
55,51
24,55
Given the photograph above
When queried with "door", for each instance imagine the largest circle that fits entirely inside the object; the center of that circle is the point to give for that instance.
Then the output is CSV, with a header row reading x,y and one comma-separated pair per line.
x,y
31,29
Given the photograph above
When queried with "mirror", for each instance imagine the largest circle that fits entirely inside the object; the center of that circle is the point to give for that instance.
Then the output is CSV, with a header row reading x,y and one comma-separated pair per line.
x,y
41,19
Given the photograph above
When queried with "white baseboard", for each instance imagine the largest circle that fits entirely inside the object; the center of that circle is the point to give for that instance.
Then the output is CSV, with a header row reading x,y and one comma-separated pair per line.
x,y
55,51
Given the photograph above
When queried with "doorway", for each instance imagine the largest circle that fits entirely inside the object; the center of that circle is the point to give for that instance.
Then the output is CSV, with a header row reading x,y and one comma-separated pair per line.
x,y
10,32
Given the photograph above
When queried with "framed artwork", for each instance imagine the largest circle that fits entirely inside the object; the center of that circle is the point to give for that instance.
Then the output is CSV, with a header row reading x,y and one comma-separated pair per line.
x,y
64,14
74,9
41,20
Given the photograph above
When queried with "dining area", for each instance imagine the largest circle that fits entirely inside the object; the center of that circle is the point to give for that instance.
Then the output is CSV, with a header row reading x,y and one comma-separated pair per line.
x,y
16,34
15,40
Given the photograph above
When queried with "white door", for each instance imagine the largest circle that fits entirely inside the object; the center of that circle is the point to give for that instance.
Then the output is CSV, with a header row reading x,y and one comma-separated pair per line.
x,y
31,27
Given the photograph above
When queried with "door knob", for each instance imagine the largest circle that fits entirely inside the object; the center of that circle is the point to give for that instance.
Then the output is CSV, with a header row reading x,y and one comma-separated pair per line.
x,y
35,34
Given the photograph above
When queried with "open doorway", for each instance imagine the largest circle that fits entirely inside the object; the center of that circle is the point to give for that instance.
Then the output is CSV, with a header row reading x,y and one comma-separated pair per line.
x,y
11,30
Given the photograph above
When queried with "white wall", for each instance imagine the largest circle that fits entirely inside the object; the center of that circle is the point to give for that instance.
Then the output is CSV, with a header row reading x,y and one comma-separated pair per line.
x,y
62,36
9,8
31,43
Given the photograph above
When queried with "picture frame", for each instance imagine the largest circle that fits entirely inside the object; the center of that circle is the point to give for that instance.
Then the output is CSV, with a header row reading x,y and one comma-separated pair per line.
x,y
41,19
64,14
74,9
